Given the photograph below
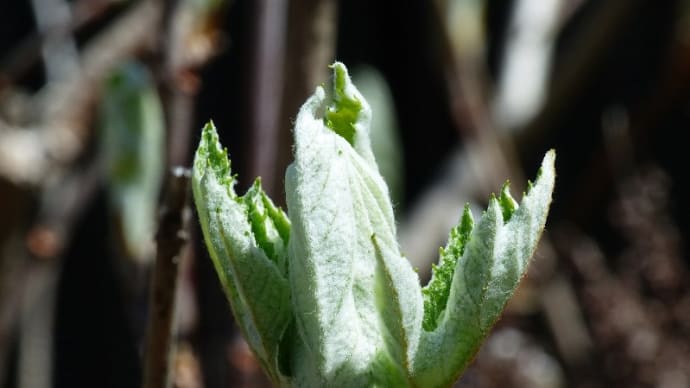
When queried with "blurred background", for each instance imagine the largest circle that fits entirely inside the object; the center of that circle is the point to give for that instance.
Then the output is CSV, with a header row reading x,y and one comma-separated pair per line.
x,y
100,98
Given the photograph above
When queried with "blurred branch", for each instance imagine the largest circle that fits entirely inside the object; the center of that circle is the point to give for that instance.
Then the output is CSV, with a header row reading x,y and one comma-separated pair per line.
x,y
62,127
565,319
33,272
13,269
25,54
177,105
41,154
602,28
170,239
36,327
188,37
492,156
524,74
629,135
311,39
480,167
60,57
266,92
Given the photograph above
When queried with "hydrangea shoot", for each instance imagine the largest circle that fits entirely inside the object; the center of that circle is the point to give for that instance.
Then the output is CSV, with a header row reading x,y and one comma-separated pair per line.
x,y
323,295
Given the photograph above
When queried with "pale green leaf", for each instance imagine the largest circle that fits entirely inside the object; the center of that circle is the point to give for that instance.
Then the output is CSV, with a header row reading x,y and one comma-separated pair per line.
x,y
437,291
494,260
325,299
337,201
246,238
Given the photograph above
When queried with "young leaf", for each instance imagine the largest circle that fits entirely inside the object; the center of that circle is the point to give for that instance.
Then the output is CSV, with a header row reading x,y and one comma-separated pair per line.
x,y
326,298
493,262
437,291
337,201
247,241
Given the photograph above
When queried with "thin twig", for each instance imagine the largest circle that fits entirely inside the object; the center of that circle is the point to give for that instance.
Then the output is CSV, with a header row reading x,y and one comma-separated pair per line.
x,y
472,172
182,30
187,40
170,239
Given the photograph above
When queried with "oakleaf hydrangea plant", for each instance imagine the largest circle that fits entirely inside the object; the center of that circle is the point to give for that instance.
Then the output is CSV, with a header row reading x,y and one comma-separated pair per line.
x,y
323,295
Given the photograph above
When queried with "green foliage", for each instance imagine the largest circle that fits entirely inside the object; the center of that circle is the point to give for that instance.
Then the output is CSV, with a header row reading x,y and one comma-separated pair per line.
x,y
494,260
325,298
342,112
437,291
132,143
251,267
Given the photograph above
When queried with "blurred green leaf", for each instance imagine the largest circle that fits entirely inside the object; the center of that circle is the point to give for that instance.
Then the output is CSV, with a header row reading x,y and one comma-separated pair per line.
x,y
132,145
384,132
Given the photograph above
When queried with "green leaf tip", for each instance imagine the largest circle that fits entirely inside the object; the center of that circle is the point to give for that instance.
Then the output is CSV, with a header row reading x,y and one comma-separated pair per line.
x,y
246,237
508,204
437,291
344,110
212,157
270,226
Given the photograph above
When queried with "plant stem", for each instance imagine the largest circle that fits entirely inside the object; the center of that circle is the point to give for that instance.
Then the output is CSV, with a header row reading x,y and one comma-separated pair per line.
x,y
170,240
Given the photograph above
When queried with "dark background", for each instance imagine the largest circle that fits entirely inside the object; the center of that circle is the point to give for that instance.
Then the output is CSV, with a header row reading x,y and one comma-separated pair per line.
x,y
607,300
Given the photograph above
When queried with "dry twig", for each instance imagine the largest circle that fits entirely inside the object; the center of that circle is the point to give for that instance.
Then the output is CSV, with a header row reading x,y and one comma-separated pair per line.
x,y
170,239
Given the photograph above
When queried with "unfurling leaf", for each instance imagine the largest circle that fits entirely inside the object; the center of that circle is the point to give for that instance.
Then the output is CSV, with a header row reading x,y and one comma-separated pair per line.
x,y
246,239
326,299
493,261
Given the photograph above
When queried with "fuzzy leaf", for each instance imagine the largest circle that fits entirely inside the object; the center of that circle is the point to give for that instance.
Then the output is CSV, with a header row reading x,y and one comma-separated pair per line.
x,y
337,201
326,298
437,291
247,241
494,260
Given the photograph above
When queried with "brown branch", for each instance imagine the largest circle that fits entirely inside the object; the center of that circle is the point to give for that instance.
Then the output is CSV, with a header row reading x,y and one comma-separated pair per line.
x,y
187,39
266,92
170,239
182,29
311,39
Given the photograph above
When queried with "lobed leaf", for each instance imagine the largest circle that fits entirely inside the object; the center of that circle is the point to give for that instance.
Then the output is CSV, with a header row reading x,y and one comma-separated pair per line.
x,y
493,262
247,240
437,291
